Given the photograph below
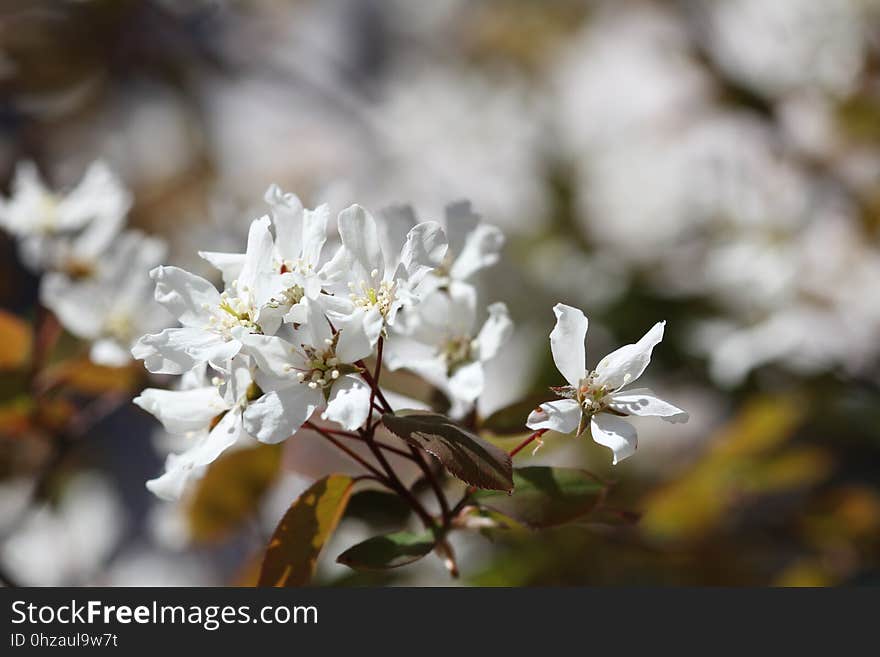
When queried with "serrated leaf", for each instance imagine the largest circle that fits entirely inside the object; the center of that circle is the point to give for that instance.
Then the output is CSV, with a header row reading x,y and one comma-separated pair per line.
x,y
15,341
389,551
231,490
466,455
511,420
293,552
546,497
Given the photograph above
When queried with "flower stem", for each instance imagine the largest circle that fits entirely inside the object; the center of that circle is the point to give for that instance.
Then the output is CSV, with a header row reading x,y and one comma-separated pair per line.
x,y
516,450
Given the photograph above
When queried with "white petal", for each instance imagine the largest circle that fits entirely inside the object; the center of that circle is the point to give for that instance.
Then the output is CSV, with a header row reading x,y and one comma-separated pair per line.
x,y
278,415
172,483
373,322
642,401
354,342
109,353
423,251
271,354
561,415
188,297
78,305
100,196
359,235
177,350
495,331
181,467
181,411
616,434
625,365
567,343
466,383
257,258
482,249
228,264
349,403
461,221
287,218
314,233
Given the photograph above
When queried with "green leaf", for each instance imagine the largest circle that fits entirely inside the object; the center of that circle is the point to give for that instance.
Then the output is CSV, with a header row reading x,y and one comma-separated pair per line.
x,y
546,497
511,420
378,507
389,551
465,455
309,522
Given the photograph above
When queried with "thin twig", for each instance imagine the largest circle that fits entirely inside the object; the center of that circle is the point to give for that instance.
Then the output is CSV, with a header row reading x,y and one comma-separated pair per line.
x,y
354,455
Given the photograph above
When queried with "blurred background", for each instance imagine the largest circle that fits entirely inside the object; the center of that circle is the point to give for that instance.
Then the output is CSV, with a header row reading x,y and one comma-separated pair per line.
x,y
714,163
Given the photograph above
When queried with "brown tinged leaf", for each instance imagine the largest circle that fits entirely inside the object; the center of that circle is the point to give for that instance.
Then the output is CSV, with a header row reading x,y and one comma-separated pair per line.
x,y
464,454
293,551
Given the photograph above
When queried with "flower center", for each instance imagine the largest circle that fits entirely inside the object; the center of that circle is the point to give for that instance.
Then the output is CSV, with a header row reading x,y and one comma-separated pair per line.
x,y
373,293
322,367
234,312
119,325
592,397
47,215
456,352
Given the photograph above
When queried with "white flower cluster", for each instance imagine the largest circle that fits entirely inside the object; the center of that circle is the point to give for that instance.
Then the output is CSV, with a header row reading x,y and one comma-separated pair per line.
x,y
288,334
93,271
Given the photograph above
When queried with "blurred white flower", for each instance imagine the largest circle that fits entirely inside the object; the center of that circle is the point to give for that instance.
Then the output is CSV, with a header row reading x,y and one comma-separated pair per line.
x,y
599,396
67,544
64,231
113,305
785,45
445,134
626,75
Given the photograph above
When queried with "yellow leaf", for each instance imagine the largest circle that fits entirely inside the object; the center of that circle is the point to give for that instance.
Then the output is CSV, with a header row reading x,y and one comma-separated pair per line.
x,y
309,522
231,490
15,341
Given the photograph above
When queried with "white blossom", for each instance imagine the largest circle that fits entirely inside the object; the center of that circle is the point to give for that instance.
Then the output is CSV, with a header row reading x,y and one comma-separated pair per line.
x,y
442,343
306,367
114,305
472,244
209,414
213,322
600,397
371,282
64,231
299,237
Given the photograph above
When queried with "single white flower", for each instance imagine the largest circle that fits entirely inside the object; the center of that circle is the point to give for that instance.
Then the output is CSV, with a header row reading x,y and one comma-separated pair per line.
x,y
600,396
372,283
114,305
303,368
213,322
64,232
208,414
299,237
473,245
442,343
